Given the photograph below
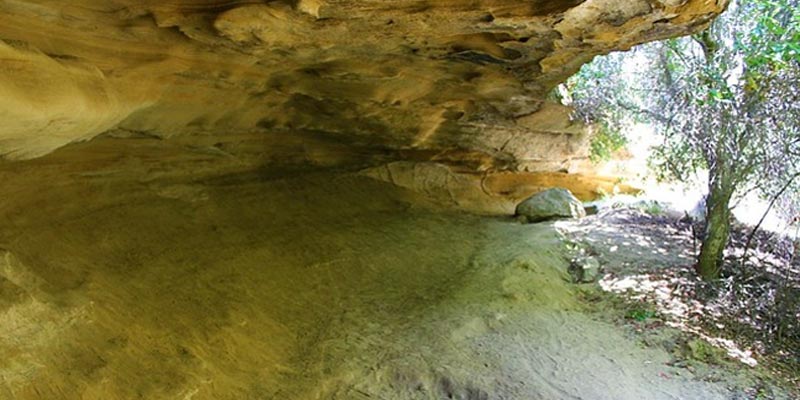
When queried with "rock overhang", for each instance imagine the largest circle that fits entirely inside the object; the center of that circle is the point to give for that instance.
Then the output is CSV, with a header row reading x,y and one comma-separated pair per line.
x,y
338,82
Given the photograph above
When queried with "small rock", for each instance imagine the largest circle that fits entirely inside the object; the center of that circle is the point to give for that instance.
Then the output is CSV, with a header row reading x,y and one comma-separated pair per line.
x,y
584,269
551,204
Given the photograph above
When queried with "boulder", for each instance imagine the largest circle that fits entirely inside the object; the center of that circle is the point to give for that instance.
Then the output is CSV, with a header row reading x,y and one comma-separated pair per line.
x,y
550,204
584,269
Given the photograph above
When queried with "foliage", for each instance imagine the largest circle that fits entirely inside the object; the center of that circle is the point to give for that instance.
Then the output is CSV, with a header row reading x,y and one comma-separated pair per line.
x,y
701,350
609,122
653,208
725,101
731,97
605,142
639,314
733,103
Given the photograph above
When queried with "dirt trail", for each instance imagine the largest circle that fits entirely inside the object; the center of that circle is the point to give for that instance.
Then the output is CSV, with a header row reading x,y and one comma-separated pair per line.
x,y
317,287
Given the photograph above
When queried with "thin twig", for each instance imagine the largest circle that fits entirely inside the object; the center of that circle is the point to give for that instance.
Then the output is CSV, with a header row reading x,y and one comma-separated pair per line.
x,y
764,216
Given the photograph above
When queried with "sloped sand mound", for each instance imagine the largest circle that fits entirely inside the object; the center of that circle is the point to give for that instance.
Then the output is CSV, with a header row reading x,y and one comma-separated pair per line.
x,y
318,287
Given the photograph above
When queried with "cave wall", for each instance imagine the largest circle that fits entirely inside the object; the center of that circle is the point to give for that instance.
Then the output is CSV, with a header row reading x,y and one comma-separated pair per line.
x,y
317,82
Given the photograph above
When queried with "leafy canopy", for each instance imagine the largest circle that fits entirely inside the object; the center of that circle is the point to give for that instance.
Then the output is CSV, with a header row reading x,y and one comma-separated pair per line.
x,y
726,100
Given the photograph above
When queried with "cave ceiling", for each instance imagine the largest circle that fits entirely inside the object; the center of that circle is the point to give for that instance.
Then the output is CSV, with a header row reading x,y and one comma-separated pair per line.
x,y
319,82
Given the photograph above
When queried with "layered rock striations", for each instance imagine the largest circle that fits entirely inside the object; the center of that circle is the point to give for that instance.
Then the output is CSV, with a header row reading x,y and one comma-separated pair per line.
x,y
317,82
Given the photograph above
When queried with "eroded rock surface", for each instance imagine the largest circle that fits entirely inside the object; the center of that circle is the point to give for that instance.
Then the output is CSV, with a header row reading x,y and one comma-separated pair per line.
x,y
317,82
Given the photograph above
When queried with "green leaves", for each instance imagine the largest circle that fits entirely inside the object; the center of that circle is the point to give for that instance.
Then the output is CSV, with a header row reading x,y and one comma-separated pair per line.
x,y
605,142
597,93
726,100
640,315
774,41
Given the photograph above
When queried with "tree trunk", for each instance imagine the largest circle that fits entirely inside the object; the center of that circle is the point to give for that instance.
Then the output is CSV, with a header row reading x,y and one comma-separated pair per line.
x,y
715,238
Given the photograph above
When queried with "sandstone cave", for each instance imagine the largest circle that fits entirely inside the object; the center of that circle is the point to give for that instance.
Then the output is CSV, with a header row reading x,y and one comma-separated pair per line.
x,y
306,199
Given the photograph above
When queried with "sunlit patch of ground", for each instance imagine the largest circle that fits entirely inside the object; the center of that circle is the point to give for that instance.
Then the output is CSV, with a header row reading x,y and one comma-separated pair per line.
x,y
647,258
678,311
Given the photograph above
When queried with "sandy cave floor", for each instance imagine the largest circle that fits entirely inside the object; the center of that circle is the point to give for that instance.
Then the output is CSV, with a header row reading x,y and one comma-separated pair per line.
x,y
323,286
